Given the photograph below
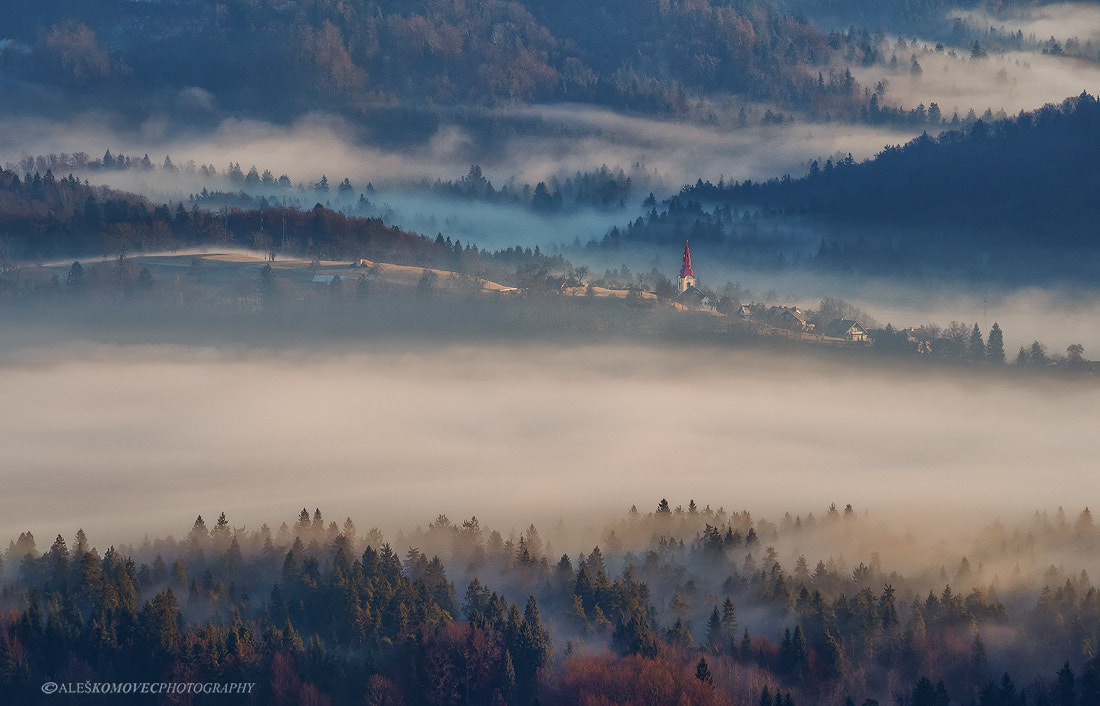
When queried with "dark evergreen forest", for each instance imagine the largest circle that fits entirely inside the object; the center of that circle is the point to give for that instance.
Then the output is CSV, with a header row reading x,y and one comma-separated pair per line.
x,y
1010,200
691,606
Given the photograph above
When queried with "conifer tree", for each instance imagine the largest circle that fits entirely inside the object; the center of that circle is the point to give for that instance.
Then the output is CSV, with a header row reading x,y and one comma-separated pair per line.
x,y
995,347
1065,692
507,678
977,345
702,671
75,279
729,616
715,631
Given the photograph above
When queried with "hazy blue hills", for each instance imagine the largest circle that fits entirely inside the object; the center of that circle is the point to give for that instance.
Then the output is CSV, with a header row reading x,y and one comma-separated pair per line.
x,y
991,191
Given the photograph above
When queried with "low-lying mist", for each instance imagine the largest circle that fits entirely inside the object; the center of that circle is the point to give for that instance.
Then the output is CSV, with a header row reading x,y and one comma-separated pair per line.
x,y
958,83
124,440
1062,21
495,226
568,139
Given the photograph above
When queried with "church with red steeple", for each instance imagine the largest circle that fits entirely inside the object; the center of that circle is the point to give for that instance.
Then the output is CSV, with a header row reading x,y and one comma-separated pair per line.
x,y
687,294
687,277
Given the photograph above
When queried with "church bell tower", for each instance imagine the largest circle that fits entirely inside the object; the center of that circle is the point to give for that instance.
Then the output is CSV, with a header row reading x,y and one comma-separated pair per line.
x,y
687,277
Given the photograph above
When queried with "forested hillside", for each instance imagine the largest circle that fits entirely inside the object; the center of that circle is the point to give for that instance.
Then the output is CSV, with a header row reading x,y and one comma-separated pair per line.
x,y
283,58
692,606
992,193
42,217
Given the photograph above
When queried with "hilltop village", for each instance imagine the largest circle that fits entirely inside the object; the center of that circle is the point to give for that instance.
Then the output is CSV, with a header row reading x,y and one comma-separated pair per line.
x,y
232,280
514,292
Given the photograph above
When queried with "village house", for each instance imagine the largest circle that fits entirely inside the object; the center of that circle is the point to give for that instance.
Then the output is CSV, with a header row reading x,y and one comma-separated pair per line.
x,y
790,318
846,329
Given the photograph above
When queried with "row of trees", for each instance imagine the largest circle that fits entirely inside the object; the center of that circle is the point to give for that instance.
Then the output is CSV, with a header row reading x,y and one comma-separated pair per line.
x,y
602,188
962,343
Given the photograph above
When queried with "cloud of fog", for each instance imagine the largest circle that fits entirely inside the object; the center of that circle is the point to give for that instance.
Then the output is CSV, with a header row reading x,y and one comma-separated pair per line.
x,y
1056,318
683,153
1061,21
495,226
671,153
1013,81
127,440
573,139
548,140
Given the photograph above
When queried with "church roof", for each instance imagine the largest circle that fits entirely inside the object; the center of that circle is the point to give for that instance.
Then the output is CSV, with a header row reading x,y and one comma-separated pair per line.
x,y
693,296
685,269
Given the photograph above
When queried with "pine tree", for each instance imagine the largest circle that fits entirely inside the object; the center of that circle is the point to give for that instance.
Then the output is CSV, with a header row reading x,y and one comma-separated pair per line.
x,y
924,694
1037,355
715,631
995,348
74,281
746,646
1065,688
977,345
702,671
1090,686
220,533
979,665
799,652
729,616
533,649
301,527
58,558
507,678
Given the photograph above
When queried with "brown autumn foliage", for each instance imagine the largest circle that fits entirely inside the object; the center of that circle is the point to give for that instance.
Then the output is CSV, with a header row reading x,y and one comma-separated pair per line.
x,y
609,681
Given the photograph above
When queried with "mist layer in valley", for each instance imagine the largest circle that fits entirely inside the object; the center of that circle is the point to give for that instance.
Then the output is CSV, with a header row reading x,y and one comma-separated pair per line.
x,y
129,439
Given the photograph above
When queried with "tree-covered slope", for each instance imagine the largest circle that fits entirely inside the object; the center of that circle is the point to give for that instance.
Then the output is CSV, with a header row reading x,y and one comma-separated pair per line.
x,y
283,58
1028,180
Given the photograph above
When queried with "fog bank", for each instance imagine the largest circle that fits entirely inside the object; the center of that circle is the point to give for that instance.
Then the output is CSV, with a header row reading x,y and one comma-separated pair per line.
x,y
569,139
128,440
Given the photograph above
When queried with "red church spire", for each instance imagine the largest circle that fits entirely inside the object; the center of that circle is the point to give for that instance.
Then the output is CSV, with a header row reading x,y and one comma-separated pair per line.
x,y
685,269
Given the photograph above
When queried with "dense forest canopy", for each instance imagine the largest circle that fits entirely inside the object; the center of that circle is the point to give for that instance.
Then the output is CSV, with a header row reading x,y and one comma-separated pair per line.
x,y
690,604
284,58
